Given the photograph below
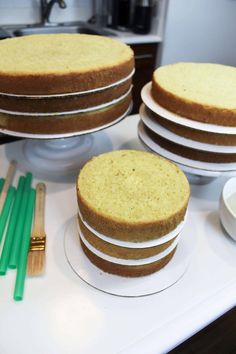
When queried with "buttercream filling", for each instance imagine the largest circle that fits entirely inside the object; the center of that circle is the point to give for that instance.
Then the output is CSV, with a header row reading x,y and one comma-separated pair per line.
x,y
129,262
128,244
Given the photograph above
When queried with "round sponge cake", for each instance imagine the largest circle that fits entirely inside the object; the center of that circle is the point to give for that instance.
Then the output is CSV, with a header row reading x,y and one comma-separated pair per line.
x,y
199,91
132,195
62,63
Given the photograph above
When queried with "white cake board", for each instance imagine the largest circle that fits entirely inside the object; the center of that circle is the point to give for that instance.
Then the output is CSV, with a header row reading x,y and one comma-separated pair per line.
x,y
204,168
129,287
173,117
62,154
77,111
65,135
128,244
157,128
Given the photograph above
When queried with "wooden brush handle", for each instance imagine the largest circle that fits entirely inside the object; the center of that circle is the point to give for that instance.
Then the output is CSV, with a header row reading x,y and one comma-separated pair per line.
x,y
38,228
7,183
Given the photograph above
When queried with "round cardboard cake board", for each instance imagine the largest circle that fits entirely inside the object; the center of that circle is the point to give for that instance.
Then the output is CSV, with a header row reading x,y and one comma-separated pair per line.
x,y
173,117
157,128
204,168
65,135
123,286
77,111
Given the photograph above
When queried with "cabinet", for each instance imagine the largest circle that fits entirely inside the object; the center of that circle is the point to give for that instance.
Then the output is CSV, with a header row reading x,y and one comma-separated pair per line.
x,y
145,63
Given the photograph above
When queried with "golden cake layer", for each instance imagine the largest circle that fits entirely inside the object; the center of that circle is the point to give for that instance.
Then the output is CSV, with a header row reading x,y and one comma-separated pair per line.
x,y
194,134
192,154
62,63
64,123
199,91
132,195
124,270
63,103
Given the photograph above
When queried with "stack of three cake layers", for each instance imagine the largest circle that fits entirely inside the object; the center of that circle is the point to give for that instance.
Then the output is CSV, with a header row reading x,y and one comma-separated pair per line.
x,y
132,210
189,116
63,83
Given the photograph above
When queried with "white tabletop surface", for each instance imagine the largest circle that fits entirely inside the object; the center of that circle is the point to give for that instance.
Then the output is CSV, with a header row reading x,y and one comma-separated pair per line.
x,y
60,314
132,38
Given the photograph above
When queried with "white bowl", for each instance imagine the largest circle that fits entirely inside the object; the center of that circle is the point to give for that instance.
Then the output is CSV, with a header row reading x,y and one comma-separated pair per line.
x,y
228,207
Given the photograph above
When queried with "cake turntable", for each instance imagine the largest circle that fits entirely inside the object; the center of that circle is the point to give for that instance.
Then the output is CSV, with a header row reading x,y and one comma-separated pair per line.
x,y
65,152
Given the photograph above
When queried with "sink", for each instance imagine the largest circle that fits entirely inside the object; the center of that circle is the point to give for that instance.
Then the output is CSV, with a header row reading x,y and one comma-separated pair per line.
x,y
78,28
56,29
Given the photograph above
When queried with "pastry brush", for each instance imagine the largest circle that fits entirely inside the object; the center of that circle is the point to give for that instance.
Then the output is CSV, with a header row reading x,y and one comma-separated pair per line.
x,y
36,256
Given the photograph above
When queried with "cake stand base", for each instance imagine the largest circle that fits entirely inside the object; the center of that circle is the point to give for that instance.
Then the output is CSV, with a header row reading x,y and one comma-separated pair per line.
x,y
65,155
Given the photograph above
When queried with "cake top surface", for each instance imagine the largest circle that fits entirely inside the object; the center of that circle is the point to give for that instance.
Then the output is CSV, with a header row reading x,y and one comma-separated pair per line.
x,y
133,186
60,53
208,84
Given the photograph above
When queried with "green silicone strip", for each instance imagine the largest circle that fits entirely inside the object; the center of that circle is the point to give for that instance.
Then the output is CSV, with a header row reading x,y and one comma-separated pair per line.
x,y
20,223
11,227
6,210
24,249
2,180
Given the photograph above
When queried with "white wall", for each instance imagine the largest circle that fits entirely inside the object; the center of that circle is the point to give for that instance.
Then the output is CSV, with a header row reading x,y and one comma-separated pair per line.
x,y
200,31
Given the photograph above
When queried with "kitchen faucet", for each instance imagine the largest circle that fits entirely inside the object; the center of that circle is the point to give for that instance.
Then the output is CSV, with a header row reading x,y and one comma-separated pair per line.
x,y
46,9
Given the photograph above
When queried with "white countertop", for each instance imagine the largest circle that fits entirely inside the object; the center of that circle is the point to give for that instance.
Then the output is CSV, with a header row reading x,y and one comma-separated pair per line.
x,y
139,39
129,37
60,314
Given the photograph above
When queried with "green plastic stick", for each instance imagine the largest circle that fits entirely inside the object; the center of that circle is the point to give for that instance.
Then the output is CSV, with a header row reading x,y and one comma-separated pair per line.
x,y
24,249
2,180
20,223
11,227
6,210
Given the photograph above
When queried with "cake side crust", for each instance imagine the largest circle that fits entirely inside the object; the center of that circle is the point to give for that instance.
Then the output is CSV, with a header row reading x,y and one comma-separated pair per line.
x,y
190,153
63,103
132,195
126,271
64,124
192,110
121,252
194,134
37,84
121,230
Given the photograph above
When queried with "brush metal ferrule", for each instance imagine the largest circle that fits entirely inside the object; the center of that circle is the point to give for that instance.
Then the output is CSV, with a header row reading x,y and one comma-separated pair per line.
x,y
38,243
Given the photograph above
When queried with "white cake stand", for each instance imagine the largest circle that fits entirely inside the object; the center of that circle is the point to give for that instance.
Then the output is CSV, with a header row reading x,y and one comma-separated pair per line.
x,y
64,153
60,153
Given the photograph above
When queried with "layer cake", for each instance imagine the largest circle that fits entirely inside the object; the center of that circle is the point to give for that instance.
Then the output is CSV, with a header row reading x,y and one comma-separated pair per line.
x,y
131,196
56,77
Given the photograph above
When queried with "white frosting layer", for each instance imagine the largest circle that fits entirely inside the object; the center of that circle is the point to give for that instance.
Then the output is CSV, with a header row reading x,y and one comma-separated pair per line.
x,y
128,244
129,262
